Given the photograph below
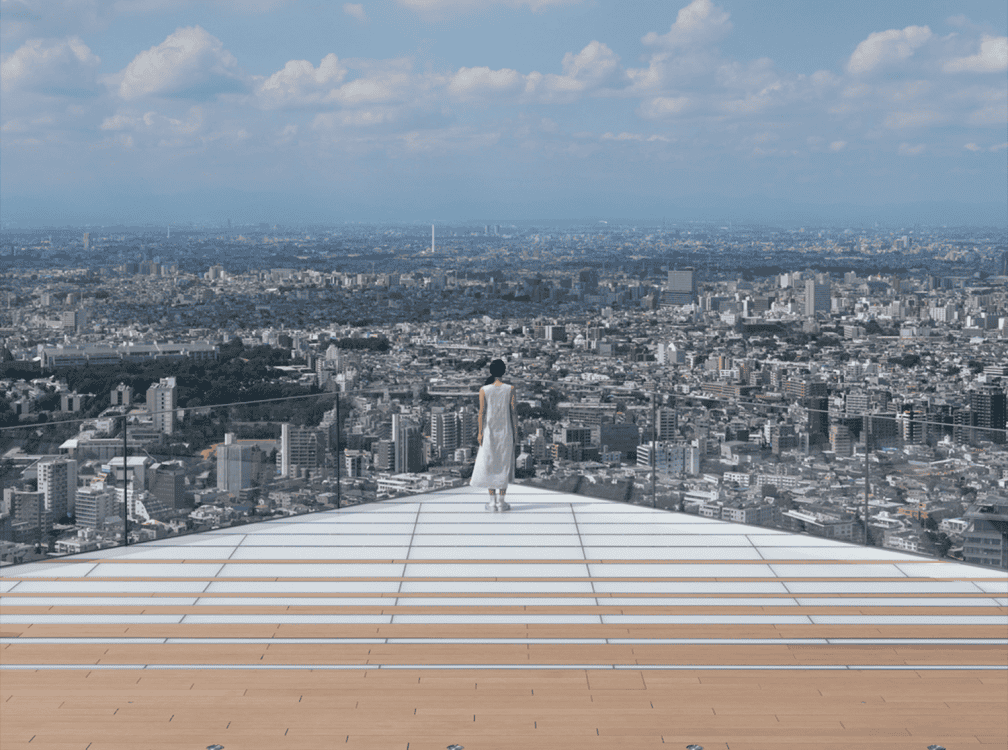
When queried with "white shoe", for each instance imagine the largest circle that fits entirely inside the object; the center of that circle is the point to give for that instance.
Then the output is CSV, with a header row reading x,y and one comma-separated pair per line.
x,y
491,506
501,505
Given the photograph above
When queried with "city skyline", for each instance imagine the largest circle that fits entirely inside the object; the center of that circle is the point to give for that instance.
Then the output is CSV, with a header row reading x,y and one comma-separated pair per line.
x,y
437,110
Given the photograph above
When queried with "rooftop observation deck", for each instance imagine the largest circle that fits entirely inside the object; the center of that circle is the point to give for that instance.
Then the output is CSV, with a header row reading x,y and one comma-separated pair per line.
x,y
565,623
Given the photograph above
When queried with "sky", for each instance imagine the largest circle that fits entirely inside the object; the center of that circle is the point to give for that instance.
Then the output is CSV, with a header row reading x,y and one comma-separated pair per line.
x,y
292,111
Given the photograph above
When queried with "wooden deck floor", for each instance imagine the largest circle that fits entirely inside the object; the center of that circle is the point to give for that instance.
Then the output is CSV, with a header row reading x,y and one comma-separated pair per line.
x,y
273,705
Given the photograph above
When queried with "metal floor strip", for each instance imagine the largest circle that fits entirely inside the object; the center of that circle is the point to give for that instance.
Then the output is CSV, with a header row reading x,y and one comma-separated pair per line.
x,y
203,667
549,641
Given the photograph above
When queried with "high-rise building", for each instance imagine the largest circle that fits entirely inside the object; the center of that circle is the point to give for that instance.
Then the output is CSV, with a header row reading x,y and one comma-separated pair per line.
x,y
681,288
406,439
840,439
384,455
29,515
668,423
817,408
168,485
237,465
677,458
817,298
162,398
444,430
95,503
57,481
301,448
987,407
122,395
87,242
670,354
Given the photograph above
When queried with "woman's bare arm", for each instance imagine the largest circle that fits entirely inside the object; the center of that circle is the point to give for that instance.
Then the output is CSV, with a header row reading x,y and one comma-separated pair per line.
x,y
514,416
482,411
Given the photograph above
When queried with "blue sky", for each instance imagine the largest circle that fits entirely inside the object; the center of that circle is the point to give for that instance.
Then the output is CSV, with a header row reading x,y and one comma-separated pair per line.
x,y
162,111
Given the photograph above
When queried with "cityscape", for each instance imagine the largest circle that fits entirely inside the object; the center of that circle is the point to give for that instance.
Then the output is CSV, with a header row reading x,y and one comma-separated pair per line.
x,y
745,272
747,365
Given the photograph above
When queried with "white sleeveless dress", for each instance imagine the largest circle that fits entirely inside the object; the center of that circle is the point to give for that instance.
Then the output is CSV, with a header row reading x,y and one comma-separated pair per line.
x,y
495,461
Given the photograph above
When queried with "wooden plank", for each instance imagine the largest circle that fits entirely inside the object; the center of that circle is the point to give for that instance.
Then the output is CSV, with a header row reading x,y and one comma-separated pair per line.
x,y
559,709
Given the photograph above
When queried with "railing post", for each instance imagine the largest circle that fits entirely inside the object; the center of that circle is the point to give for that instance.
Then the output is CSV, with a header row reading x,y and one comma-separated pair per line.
x,y
867,463
125,483
654,446
339,457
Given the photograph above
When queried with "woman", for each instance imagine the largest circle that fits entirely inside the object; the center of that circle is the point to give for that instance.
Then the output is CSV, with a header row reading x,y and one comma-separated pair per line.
x,y
498,433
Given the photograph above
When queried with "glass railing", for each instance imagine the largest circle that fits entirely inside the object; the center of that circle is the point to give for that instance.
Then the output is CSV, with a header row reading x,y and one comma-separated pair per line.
x,y
930,483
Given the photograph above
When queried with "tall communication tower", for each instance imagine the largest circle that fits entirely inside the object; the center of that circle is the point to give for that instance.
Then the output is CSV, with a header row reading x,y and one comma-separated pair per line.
x,y
432,239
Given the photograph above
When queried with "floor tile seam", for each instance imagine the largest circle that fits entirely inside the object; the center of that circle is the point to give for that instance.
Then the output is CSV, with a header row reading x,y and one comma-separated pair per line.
x,y
491,667
57,561
515,578
259,608
420,640
508,619
524,596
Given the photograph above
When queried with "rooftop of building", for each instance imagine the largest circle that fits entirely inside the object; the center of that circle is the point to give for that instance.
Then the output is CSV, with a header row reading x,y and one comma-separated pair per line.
x,y
430,620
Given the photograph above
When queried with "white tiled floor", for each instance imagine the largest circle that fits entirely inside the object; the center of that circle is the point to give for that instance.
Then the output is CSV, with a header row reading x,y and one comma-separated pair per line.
x,y
542,526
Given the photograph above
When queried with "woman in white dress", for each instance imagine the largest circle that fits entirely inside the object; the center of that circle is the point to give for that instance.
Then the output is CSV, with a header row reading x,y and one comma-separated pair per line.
x,y
498,434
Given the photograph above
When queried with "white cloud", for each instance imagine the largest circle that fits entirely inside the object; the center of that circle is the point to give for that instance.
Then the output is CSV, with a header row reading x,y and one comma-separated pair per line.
x,y
189,63
352,118
54,66
884,47
639,137
299,83
699,22
473,82
663,106
972,147
992,58
355,10
913,119
837,146
593,68
999,147
907,150
437,6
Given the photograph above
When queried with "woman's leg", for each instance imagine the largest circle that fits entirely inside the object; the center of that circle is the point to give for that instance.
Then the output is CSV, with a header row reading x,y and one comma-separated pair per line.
x,y
493,492
503,492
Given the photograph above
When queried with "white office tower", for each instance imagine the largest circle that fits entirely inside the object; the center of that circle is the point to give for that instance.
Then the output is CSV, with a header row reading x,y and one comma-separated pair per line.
x,y
670,354
161,402
57,481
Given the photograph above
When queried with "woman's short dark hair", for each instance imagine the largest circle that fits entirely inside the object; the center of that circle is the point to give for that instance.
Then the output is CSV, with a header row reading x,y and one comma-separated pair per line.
x,y
497,370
